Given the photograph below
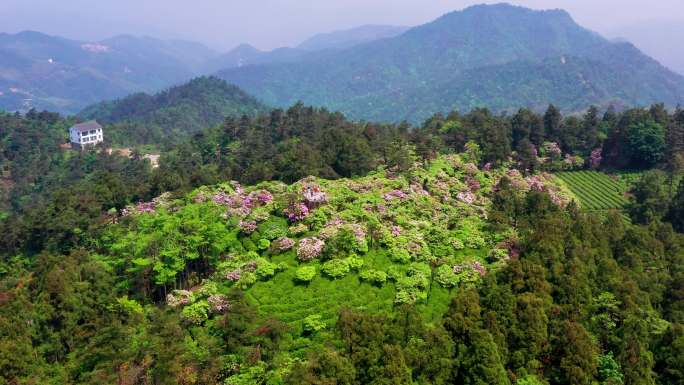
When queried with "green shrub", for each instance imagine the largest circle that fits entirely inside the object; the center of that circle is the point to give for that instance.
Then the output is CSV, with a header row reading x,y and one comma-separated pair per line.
x,y
129,307
305,273
313,324
273,228
445,276
355,263
376,277
196,313
336,268
400,255
249,245
496,255
263,244
265,269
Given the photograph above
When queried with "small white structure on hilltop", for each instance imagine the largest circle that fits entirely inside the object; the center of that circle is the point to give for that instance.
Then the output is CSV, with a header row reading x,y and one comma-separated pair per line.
x,y
86,134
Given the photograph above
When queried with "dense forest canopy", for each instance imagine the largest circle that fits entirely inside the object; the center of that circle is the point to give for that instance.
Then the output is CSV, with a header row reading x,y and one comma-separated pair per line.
x,y
485,268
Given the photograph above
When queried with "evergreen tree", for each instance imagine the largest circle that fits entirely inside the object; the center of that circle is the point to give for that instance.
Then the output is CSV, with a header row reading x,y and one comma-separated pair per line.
x,y
552,123
591,130
676,211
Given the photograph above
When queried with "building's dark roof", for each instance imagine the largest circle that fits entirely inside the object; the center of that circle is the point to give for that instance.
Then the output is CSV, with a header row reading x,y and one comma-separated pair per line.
x,y
87,126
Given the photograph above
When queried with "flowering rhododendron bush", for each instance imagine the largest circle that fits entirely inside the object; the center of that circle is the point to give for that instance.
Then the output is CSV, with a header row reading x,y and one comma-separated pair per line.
x,y
308,248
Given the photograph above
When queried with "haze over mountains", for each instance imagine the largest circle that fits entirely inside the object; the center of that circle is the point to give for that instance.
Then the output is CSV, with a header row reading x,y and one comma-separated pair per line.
x,y
64,75
496,56
49,72
499,56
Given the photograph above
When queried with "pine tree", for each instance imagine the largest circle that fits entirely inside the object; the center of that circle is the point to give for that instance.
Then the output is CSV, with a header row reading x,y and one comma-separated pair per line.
x,y
676,212
674,154
590,133
552,123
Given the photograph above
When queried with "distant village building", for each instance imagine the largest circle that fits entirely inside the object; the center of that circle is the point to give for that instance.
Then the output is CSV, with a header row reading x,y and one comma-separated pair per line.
x,y
85,134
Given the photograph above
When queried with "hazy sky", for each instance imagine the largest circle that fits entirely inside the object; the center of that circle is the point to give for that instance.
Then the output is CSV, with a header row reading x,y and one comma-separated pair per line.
x,y
266,24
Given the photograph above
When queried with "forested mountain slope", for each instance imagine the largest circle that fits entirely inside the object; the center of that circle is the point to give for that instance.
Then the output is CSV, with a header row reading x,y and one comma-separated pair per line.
x,y
499,56
442,272
178,111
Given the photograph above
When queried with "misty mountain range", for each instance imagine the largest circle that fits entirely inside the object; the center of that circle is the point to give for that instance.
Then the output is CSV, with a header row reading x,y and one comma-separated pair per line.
x,y
498,56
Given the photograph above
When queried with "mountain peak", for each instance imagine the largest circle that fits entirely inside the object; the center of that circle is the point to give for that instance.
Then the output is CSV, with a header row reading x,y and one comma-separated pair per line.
x,y
245,48
508,10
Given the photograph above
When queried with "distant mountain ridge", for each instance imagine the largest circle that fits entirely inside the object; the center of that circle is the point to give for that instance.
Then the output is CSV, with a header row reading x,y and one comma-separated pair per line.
x,y
500,56
62,75
246,55
350,37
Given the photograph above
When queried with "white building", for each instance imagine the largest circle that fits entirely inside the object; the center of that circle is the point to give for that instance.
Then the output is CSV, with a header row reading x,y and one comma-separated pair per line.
x,y
85,134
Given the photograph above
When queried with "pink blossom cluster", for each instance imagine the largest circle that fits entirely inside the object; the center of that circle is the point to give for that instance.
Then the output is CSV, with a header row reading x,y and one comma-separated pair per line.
x,y
572,160
313,195
396,231
335,222
596,158
179,298
221,198
487,167
476,266
140,208
479,268
535,153
471,169
535,183
234,275
309,248
200,198
218,303
398,194
556,198
264,196
473,184
240,203
418,189
358,231
283,243
466,197
247,227
553,150
250,266
296,211
514,173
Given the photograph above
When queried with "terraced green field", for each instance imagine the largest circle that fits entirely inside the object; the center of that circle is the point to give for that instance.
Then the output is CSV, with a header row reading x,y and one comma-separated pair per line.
x,y
596,190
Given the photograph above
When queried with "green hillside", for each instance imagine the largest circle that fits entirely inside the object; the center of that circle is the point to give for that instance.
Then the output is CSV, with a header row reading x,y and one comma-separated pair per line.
x,y
378,241
497,56
176,112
